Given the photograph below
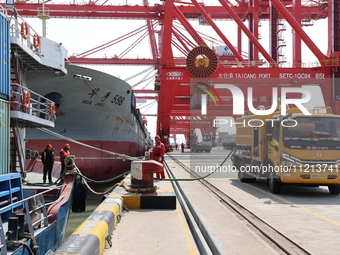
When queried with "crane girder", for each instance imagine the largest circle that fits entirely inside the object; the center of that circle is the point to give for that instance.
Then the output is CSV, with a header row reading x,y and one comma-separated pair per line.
x,y
175,83
111,61
92,11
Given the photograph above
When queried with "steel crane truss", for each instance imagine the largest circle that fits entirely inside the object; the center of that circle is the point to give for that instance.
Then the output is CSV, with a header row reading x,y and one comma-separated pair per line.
x,y
176,77
175,82
91,11
261,80
182,88
221,100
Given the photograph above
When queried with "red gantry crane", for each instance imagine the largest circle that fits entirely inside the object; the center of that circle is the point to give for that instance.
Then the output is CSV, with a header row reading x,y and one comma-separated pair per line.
x,y
190,64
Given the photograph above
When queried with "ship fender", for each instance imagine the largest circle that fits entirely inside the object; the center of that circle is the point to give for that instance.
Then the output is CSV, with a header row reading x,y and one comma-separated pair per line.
x,y
94,234
79,195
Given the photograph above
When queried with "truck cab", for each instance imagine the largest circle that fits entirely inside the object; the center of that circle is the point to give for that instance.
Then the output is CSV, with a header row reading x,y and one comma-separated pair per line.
x,y
291,149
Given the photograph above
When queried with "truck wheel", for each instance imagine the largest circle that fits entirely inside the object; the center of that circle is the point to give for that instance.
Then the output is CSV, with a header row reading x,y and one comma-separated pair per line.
x,y
334,189
236,162
274,185
244,177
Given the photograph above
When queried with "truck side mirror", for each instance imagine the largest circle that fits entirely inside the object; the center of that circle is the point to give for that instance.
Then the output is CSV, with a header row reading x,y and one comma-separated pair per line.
x,y
269,127
269,137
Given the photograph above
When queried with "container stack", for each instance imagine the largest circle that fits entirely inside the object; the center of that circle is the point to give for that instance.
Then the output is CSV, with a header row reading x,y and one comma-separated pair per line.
x,y
4,93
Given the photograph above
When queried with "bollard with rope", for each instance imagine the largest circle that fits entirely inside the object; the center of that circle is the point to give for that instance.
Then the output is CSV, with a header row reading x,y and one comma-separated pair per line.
x,y
85,179
142,176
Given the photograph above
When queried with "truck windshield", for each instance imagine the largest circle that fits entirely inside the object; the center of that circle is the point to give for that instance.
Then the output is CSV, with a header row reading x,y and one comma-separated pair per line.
x,y
312,133
206,138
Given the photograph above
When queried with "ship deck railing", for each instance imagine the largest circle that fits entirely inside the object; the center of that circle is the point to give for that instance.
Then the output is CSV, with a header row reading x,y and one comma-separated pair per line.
x,y
24,35
31,108
34,209
33,51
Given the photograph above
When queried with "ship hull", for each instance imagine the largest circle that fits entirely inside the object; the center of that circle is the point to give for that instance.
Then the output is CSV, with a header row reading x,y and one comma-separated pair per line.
x,y
48,229
94,109
94,164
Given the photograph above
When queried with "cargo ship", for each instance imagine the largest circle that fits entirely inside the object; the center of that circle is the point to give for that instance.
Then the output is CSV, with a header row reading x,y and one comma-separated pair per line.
x,y
33,216
97,116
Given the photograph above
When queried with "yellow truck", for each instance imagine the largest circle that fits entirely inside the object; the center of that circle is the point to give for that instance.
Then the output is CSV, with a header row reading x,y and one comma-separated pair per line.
x,y
289,149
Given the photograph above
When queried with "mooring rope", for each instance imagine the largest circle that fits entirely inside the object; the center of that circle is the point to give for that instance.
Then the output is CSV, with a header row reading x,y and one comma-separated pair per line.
x,y
117,155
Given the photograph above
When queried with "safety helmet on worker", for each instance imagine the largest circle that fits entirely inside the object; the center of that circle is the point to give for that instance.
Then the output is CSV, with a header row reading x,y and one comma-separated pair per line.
x,y
157,137
49,145
67,146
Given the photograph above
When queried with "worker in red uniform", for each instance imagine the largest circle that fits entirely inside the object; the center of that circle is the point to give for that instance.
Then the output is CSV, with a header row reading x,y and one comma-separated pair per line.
x,y
158,152
182,147
64,152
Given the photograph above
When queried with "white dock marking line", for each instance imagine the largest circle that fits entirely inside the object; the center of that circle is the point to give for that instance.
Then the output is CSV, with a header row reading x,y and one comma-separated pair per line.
x,y
187,235
299,206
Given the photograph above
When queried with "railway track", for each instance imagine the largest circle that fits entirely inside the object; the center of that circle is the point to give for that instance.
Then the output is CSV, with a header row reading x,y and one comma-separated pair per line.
x,y
278,241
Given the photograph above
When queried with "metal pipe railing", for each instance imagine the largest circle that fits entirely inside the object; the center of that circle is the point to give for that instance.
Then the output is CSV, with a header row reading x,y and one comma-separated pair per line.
x,y
20,29
25,100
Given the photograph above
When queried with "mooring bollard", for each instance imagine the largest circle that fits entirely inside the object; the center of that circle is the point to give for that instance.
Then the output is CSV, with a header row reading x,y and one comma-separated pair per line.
x,y
142,180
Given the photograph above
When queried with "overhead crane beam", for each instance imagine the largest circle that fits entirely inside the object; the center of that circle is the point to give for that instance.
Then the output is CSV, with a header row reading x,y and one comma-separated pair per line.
x,y
174,98
218,31
90,11
179,15
147,97
149,115
298,29
111,61
297,54
152,39
250,35
145,91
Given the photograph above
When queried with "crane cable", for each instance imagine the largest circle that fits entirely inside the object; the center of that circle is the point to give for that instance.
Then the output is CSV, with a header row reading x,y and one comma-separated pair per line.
x,y
117,155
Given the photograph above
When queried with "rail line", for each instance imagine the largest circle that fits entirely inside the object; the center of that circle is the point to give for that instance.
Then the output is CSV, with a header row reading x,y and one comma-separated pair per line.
x,y
276,239
204,241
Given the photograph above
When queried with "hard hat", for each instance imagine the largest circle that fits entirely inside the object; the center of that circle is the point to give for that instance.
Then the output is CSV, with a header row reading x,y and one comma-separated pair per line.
x,y
67,145
49,145
157,137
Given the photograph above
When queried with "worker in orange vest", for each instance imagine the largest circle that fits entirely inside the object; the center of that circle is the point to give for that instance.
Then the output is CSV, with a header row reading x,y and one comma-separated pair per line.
x,y
158,152
63,154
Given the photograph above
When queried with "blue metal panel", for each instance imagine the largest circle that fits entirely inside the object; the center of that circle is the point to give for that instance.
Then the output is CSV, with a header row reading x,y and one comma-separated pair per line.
x,y
10,188
4,136
4,58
